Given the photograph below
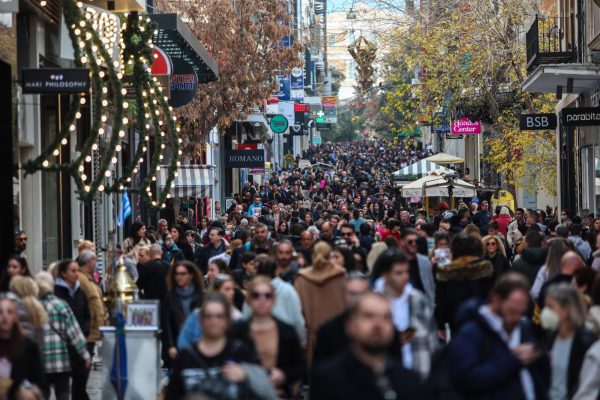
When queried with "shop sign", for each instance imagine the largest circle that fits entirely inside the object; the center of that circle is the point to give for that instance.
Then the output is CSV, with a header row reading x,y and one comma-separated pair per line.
x,y
537,122
464,126
329,104
297,129
279,124
49,80
184,83
284,88
299,107
585,116
297,84
245,159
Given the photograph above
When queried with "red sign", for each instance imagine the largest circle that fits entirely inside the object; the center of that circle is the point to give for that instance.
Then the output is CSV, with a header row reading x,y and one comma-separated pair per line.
x,y
273,99
162,62
299,107
248,146
464,126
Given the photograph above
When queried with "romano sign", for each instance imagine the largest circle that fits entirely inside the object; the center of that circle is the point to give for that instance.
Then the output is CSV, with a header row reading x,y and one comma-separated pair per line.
x,y
245,159
585,116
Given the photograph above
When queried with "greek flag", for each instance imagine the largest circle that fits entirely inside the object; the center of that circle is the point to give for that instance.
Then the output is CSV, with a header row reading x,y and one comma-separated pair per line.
x,y
125,211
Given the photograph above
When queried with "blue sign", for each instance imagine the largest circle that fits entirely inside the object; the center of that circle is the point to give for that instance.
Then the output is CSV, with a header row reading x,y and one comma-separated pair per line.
x,y
441,128
284,88
287,41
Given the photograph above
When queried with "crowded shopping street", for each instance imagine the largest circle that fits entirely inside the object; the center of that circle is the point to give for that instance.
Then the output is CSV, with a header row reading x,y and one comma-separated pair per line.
x,y
299,200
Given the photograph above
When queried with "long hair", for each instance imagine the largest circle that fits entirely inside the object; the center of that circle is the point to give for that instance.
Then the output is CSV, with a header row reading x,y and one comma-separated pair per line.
x,y
191,269
499,244
27,290
135,227
320,258
567,296
17,338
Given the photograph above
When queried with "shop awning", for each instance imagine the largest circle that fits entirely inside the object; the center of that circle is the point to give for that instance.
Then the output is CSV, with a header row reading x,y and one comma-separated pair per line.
x,y
445,158
191,180
436,185
546,78
176,39
418,170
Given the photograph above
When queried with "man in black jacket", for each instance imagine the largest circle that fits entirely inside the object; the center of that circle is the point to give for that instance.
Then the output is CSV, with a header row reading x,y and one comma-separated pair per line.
x,y
331,336
152,280
367,370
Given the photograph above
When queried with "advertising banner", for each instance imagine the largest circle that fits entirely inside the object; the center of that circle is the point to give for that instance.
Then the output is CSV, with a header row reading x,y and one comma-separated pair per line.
x,y
329,104
284,88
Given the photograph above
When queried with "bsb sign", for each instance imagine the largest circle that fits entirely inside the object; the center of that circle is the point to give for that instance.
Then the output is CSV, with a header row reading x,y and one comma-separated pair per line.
x,y
48,80
585,116
537,122
245,159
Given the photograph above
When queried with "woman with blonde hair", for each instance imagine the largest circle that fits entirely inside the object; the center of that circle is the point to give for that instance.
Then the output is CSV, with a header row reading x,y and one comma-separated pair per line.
x,y
320,290
27,291
494,252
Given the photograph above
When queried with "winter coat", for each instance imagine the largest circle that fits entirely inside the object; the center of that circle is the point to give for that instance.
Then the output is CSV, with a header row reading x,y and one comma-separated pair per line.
x,y
503,221
465,277
94,298
320,292
207,252
596,260
530,262
583,248
592,321
172,255
152,280
28,367
172,318
289,351
77,300
582,341
484,367
589,378
500,264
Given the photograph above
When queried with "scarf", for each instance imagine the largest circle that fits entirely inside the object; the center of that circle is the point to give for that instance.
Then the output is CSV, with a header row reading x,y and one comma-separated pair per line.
x,y
186,295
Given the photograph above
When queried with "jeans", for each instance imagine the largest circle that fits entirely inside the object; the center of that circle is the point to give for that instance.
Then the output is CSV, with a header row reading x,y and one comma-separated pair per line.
x,y
61,384
80,375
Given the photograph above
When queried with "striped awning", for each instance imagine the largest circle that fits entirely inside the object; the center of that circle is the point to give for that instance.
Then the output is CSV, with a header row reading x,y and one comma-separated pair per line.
x,y
191,180
418,170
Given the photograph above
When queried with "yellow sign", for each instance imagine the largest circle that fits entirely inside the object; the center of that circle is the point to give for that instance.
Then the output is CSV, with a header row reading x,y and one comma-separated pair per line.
x,y
504,199
289,161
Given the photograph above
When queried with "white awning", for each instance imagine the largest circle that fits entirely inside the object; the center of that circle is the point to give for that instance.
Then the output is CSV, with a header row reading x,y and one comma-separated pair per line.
x,y
546,78
436,185
418,170
191,180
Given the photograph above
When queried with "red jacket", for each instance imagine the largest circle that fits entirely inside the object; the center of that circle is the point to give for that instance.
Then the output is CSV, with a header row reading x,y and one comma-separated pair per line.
x,y
503,220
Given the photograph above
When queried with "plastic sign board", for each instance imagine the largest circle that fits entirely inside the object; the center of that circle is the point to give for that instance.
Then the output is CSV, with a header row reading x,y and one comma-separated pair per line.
x,y
279,124
245,159
584,116
537,122
464,126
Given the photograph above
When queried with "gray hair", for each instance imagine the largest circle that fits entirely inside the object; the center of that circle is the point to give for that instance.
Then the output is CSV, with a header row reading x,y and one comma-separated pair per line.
x,y
162,221
567,296
85,256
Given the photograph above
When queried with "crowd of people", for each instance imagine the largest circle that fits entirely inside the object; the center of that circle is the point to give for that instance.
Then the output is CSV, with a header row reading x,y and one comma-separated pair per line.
x,y
323,282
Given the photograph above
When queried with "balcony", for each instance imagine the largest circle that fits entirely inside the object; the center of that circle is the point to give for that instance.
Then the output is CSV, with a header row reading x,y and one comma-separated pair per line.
x,y
551,41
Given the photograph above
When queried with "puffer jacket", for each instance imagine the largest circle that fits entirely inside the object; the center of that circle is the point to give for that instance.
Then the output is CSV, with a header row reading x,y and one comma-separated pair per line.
x,y
465,277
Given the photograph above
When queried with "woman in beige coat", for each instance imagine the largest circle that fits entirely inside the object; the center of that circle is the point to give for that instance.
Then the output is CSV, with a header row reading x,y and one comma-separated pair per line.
x,y
320,291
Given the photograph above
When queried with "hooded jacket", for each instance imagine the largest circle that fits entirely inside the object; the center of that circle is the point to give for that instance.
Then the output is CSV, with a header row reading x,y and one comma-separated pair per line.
x,y
320,292
503,221
465,277
484,367
530,262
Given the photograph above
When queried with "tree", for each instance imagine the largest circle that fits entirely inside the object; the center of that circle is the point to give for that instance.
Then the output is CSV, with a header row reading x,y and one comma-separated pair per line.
x,y
246,39
468,60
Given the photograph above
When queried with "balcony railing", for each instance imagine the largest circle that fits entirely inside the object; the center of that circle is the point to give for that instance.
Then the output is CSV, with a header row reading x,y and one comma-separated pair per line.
x,y
551,41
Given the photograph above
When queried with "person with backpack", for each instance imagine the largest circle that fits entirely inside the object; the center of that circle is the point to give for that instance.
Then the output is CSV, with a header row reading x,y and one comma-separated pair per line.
x,y
494,354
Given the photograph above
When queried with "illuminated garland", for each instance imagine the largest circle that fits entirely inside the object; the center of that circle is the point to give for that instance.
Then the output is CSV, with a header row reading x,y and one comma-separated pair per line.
x,y
94,37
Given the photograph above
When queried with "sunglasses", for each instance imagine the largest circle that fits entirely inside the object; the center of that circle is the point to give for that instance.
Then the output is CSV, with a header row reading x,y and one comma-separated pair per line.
x,y
412,241
491,243
259,295
346,234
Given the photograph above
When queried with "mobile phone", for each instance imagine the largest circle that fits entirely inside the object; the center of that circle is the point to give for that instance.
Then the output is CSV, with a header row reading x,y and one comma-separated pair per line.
x,y
443,256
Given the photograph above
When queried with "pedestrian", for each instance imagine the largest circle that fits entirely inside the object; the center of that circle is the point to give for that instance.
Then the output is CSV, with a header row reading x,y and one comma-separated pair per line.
x,y
152,275
135,239
63,339
179,237
421,270
184,294
16,266
217,366
225,285
563,317
503,220
367,369
21,357
215,247
583,247
569,263
320,291
331,336
532,257
589,376
20,243
494,354
495,253
67,287
412,312
592,321
26,290
275,342
468,275
171,252
557,247
287,268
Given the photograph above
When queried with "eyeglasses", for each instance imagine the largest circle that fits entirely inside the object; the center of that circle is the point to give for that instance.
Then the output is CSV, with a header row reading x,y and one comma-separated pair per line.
x,y
411,241
262,295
